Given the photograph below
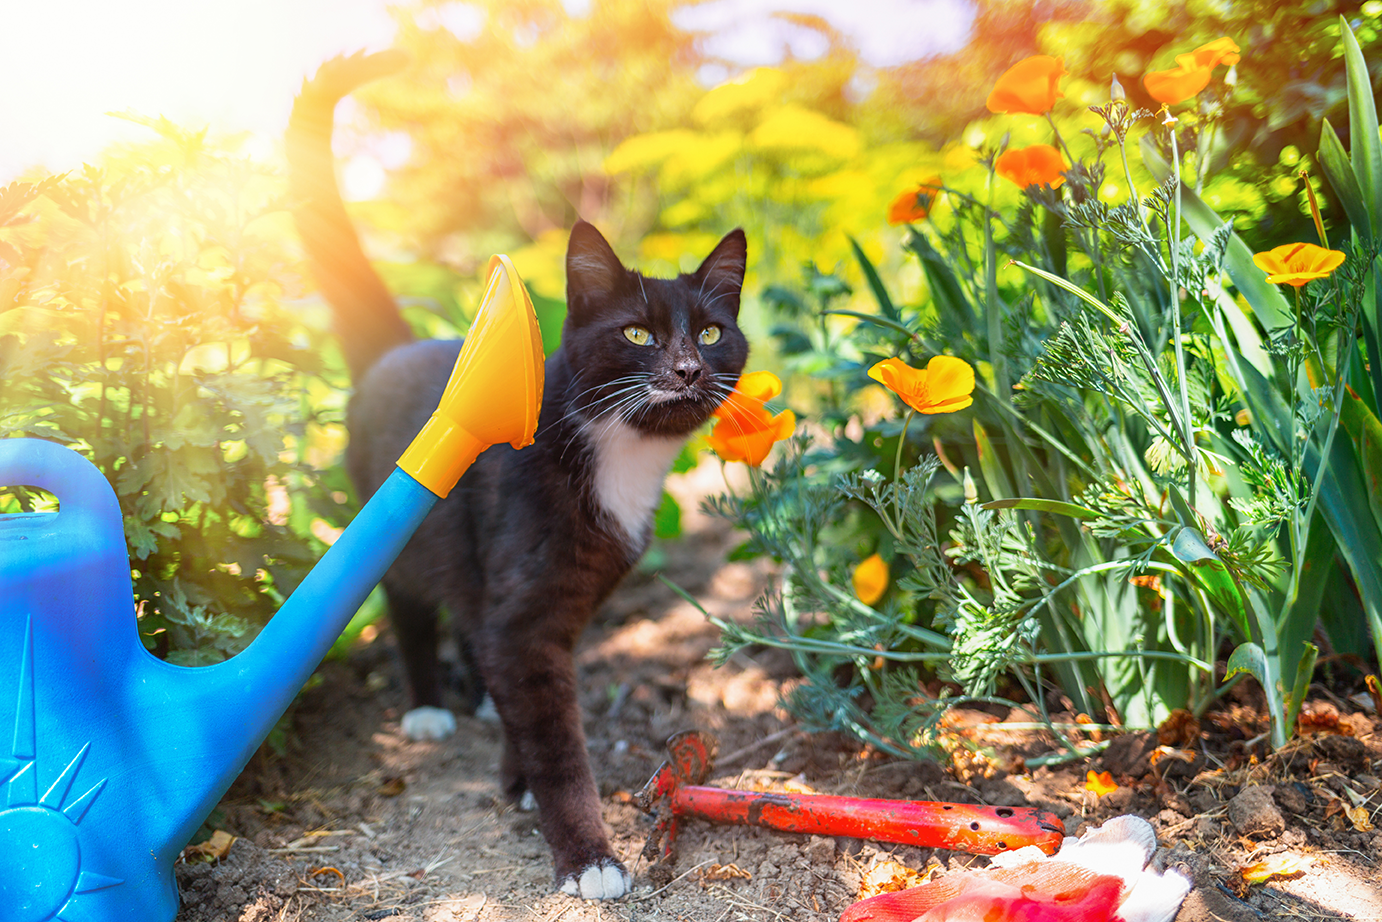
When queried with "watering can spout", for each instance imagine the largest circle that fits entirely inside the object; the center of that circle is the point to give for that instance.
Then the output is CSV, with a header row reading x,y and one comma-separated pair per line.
x,y
117,757
493,396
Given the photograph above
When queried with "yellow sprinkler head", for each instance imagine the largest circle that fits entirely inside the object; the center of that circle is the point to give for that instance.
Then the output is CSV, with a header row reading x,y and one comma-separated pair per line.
x,y
495,390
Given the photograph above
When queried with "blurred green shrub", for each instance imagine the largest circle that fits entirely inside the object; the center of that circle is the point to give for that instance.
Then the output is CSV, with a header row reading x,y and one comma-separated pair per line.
x,y
148,320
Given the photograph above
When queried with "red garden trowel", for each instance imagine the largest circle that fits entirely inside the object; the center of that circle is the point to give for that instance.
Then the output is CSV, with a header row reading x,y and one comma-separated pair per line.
x,y
676,790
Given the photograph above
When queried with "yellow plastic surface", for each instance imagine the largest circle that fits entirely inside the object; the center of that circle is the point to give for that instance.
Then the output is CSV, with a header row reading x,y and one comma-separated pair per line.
x,y
495,390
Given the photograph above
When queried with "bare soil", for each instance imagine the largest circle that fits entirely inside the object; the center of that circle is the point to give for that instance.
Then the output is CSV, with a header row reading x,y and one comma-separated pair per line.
x,y
355,822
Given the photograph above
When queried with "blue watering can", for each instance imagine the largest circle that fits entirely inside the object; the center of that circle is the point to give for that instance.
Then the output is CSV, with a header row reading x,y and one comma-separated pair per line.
x,y
115,757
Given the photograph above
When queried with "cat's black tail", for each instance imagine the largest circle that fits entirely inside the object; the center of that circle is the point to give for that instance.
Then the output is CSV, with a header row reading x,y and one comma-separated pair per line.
x,y
367,317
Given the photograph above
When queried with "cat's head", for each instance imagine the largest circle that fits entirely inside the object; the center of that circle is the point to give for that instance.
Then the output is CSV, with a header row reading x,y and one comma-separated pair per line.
x,y
660,353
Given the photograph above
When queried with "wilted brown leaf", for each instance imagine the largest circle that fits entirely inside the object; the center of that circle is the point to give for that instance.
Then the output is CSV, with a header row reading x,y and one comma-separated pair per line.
x,y
1359,817
888,876
723,872
1318,717
213,849
1180,728
327,872
1276,867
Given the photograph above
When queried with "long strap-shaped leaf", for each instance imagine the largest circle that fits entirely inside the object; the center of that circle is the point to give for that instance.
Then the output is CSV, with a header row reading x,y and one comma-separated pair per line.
x,y
1357,178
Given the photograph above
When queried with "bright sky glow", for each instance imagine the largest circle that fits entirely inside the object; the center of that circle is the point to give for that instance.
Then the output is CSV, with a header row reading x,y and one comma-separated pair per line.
x,y
236,66
885,32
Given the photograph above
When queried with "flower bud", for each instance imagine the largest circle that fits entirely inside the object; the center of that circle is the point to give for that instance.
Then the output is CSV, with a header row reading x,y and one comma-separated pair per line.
x,y
1116,92
971,491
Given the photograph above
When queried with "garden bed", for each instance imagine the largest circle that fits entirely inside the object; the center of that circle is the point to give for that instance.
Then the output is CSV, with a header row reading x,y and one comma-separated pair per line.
x,y
354,822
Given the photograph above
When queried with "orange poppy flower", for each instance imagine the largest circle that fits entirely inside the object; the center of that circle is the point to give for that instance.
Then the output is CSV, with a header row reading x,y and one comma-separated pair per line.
x,y
871,579
1192,71
1177,84
1295,264
1031,86
943,386
1211,54
915,204
1100,783
1040,164
745,430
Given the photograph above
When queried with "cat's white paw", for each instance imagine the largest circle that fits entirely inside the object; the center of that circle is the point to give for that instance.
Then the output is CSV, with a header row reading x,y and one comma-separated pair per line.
x,y
428,723
527,803
606,879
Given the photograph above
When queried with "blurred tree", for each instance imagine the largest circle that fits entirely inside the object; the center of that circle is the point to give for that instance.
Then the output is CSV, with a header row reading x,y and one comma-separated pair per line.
x,y
512,107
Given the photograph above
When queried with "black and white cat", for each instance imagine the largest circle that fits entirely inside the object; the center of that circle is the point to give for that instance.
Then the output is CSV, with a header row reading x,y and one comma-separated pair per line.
x,y
530,542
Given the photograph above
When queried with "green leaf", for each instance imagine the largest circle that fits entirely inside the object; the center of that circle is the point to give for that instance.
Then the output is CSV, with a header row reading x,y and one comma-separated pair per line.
x,y
686,459
1301,614
872,318
551,314
1203,567
945,287
1249,658
995,477
1338,169
1053,506
1075,290
1270,415
1305,670
1342,617
1362,125
1344,503
1365,431
667,519
880,294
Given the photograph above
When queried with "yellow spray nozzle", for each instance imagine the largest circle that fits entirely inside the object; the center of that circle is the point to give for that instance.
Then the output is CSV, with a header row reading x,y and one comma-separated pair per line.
x,y
495,390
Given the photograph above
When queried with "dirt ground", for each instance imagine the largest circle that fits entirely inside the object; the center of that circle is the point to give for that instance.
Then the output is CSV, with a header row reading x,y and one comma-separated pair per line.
x,y
355,822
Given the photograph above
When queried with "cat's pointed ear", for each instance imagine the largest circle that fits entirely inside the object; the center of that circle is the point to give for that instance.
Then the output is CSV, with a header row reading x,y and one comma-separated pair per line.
x,y
593,272
722,273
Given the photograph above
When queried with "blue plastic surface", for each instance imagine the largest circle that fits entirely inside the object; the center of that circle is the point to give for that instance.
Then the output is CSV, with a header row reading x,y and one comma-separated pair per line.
x,y
109,757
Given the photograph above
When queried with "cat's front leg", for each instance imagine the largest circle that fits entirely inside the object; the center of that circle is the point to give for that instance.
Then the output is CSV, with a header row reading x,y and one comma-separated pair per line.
x,y
533,684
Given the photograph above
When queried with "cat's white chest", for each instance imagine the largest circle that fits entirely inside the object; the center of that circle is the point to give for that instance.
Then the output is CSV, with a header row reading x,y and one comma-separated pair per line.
x,y
629,470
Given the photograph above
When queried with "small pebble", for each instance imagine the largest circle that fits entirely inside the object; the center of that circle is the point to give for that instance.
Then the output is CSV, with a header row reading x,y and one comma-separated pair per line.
x,y
1254,814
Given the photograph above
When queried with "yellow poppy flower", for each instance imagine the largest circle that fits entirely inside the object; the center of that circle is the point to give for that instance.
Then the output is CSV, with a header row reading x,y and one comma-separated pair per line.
x,y
1040,164
915,204
745,430
943,386
1297,263
1100,783
1030,87
871,579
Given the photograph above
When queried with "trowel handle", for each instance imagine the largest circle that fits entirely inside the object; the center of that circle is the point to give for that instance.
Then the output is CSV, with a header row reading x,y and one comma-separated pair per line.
x,y
966,828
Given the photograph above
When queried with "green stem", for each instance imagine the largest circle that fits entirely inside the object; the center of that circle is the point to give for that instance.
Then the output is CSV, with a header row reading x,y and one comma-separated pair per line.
x,y
1186,427
901,441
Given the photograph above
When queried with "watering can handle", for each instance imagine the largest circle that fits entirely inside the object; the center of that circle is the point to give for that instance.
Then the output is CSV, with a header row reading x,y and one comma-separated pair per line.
x,y
85,498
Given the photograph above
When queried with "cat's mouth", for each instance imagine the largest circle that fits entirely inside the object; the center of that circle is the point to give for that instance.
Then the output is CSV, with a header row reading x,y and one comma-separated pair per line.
x,y
657,396
672,411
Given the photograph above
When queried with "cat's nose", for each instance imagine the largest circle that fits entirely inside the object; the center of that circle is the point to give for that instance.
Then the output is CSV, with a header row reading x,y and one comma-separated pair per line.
x,y
688,371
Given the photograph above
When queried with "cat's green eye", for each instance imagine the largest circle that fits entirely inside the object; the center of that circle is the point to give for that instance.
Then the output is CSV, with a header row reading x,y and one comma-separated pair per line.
x,y
710,335
637,335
